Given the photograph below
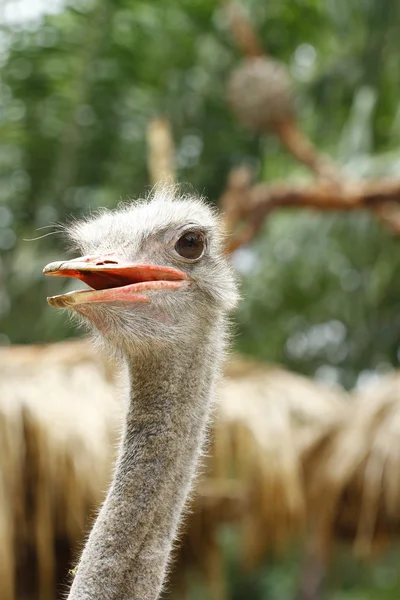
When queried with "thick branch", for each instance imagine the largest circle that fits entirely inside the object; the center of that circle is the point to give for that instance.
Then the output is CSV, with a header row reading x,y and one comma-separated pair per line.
x,y
380,196
369,194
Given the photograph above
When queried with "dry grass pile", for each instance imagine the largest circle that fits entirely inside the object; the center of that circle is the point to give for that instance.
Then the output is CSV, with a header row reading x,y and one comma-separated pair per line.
x,y
353,473
59,421
253,476
268,416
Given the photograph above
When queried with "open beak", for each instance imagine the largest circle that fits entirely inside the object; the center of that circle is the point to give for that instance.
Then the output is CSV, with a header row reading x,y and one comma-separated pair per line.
x,y
112,280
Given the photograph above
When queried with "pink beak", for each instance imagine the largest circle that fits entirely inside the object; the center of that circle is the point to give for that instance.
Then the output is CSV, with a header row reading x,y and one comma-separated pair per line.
x,y
112,280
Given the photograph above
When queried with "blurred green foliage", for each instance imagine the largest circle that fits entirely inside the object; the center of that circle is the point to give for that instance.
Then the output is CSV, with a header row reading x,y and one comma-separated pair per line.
x,y
321,293
78,88
347,578
327,293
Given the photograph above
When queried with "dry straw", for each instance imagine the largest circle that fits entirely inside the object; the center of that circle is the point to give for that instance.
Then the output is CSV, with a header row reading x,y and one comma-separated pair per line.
x,y
353,479
282,447
58,420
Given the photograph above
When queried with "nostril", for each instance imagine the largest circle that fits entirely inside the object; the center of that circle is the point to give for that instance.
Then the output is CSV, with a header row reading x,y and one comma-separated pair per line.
x,y
106,262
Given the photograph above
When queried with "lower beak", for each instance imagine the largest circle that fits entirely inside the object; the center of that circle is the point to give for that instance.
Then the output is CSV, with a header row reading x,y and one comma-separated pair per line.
x,y
112,280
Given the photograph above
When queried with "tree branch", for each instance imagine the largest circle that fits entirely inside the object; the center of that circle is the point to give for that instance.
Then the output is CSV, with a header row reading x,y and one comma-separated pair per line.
x,y
380,196
301,147
288,130
243,32
160,158
245,207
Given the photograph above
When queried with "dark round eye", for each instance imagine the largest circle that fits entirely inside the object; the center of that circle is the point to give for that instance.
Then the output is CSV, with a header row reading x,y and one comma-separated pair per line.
x,y
191,245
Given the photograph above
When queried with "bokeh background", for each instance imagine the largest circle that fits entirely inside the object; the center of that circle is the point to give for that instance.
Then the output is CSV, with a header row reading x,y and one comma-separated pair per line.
x,y
80,81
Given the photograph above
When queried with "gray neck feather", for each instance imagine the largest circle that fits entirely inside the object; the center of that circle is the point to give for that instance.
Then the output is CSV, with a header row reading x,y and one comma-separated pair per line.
x,y
171,392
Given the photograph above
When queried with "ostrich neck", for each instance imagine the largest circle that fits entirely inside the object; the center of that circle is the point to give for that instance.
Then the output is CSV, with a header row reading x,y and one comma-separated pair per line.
x,y
127,552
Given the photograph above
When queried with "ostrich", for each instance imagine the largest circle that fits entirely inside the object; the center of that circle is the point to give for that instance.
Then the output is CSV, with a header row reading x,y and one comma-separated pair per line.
x,y
161,293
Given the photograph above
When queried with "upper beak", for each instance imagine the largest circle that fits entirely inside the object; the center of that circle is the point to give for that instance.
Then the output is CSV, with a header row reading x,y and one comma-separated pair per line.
x,y
112,279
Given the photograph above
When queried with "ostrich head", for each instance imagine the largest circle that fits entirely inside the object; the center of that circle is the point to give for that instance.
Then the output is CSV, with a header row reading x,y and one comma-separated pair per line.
x,y
155,269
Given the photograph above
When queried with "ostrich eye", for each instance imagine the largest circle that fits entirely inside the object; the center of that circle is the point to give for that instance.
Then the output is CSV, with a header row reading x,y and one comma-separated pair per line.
x,y
191,245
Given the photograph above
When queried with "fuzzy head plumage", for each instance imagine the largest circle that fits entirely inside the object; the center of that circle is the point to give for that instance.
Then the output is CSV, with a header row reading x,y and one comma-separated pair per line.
x,y
182,238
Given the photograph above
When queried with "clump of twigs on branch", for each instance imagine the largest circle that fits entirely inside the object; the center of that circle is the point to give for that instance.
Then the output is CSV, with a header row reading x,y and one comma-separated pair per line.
x,y
261,96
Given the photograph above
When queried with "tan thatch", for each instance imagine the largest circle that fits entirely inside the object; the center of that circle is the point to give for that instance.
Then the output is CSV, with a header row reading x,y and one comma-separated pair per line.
x,y
56,449
59,421
271,415
354,472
